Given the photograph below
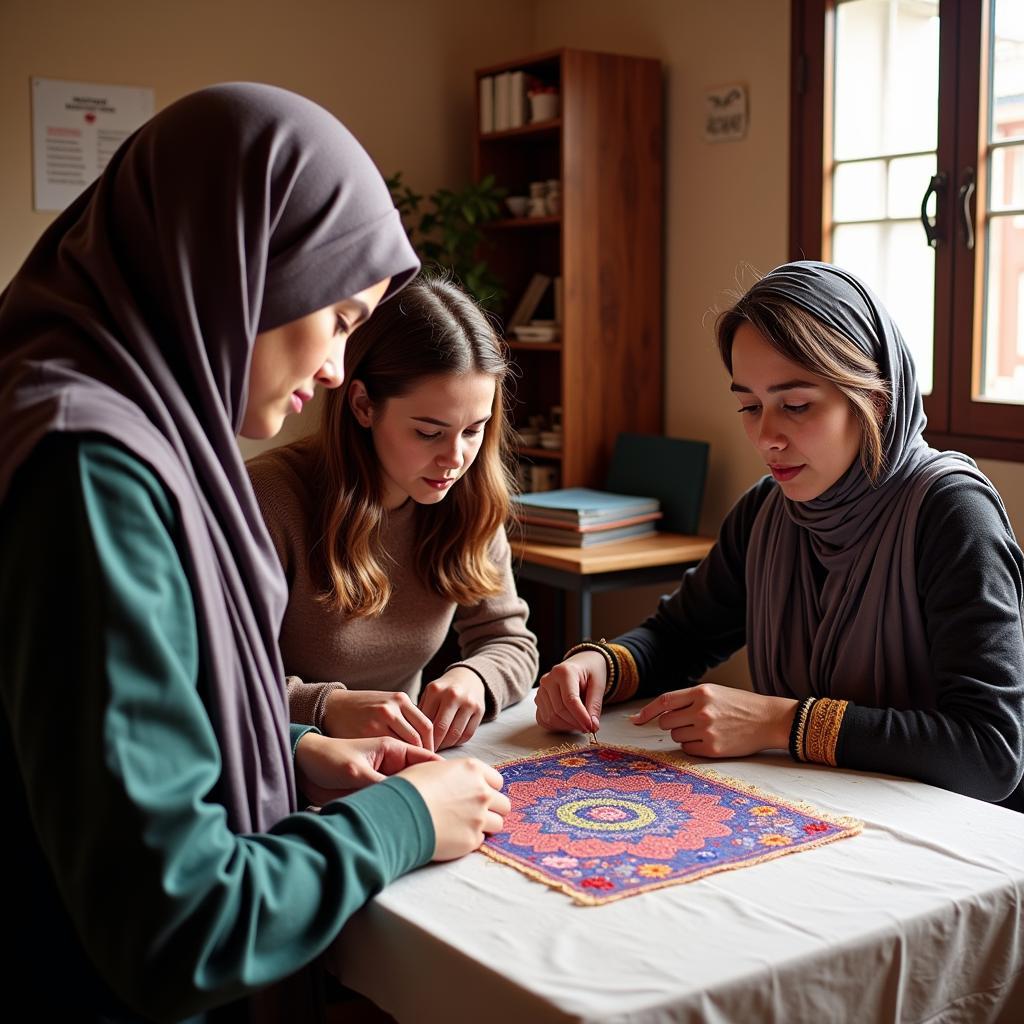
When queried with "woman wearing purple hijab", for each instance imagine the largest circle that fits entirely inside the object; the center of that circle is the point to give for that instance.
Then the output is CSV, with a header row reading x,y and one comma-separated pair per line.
x,y
875,582
203,286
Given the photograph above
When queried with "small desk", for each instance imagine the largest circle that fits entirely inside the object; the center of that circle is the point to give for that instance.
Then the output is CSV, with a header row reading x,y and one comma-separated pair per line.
x,y
658,558
916,919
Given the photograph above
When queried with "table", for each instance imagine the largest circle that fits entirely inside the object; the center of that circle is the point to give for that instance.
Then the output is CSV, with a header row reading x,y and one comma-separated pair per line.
x,y
656,558
919,918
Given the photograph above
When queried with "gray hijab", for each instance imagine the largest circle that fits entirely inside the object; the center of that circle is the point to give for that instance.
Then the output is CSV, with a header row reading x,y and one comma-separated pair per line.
x,y
861,636
237,209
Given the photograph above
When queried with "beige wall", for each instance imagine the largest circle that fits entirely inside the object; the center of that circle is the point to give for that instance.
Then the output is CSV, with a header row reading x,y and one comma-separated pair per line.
x,y
398,72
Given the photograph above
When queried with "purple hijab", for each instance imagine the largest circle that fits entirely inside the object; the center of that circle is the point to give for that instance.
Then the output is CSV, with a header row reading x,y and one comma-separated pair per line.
x,y
237,209
861,636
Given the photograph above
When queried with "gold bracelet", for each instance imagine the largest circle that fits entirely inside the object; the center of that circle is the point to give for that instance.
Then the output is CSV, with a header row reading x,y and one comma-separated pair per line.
x,y
803,713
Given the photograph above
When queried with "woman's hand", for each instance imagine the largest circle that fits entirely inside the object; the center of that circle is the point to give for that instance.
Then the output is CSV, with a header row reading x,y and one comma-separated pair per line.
x,y
358,713
719,721
328,768
571,694
465,802
455,704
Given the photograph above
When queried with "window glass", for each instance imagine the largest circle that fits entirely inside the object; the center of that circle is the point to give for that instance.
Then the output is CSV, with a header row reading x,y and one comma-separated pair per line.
x,y
886,77
885,129
1002,351
890,257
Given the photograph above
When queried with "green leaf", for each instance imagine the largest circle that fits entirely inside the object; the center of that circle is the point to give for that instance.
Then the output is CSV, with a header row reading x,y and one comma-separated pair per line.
x,y
448,232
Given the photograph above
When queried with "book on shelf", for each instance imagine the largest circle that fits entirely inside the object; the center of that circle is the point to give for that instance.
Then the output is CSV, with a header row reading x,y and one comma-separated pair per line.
x,y
584,539
487,104
502,101
561,524
584,506
532,295
517,99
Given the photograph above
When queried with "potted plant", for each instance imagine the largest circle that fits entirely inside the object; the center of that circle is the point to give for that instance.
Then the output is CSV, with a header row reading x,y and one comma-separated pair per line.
x,y
448,232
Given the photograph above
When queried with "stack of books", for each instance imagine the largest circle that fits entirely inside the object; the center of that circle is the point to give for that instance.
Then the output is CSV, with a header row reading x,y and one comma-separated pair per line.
x,y
581,517
503,101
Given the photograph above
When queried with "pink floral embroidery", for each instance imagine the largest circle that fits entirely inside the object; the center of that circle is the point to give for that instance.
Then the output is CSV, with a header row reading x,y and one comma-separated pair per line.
x,y
552,861
608,814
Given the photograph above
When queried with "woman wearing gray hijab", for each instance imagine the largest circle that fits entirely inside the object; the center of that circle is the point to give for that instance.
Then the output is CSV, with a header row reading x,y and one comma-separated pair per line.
x,y
875,581
203,286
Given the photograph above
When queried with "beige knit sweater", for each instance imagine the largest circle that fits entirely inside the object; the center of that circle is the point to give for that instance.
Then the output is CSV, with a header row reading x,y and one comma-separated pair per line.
x,y
323,649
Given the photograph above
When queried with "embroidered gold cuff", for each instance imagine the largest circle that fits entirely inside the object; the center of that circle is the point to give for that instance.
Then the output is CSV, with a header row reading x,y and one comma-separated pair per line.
x,y
824,720
629,675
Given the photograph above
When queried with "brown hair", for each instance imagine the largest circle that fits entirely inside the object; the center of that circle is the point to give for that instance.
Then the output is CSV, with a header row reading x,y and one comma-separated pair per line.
x,y
823,351
430,328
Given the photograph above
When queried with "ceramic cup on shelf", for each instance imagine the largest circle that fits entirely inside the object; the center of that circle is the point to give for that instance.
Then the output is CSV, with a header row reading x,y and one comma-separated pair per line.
x,y
518,205
539,206
543,106
553,194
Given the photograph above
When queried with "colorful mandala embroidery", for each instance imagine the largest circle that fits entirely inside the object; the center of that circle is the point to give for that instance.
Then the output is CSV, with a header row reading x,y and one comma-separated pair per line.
x,y
601,822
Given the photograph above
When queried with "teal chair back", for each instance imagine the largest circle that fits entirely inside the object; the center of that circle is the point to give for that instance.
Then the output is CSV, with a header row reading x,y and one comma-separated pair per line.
x,y
671,469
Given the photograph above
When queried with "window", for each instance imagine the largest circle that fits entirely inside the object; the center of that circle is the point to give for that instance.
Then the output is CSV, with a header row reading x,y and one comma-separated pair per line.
x,y
907,158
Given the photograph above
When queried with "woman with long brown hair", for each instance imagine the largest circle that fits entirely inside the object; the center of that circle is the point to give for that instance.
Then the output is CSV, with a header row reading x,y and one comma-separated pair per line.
x,y
390,525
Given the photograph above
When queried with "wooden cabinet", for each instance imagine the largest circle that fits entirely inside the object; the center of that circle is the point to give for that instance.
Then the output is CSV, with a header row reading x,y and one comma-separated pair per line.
x,y
606,149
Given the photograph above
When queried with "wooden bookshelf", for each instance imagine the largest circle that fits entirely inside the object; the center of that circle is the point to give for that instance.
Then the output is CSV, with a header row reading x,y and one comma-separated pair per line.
x,y
606,149
541,128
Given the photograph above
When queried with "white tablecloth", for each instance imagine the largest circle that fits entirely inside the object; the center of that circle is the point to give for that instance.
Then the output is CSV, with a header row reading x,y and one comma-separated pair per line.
x,y
919,918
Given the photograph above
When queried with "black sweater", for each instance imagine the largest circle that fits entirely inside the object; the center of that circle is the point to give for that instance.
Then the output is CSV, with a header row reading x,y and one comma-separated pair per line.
x,y
969,583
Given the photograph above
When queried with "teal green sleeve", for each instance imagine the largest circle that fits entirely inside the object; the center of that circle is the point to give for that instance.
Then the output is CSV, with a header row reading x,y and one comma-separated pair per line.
x,y
118,757
298,730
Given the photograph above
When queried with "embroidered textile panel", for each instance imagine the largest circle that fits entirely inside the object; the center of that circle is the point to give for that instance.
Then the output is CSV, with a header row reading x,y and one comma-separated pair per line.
x,y
604,822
